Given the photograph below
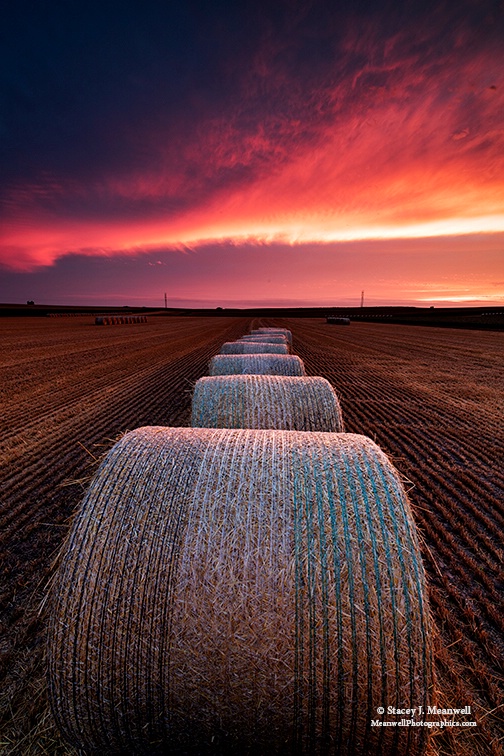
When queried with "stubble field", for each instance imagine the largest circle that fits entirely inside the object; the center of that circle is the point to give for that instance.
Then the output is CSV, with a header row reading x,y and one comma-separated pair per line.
x,y
431,398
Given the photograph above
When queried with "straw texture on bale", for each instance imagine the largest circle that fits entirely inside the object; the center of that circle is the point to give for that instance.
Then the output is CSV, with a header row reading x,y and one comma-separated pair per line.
x,y
256,364
246,347
240,592
266,401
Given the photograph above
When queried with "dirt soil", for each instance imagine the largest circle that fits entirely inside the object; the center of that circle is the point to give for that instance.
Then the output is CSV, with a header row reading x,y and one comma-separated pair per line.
x,y
431,398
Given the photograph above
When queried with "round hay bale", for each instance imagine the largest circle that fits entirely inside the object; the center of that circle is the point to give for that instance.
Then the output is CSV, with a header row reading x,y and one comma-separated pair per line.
x,y
256,364
269,329
274,331
266,401
245,347
241,591
265,340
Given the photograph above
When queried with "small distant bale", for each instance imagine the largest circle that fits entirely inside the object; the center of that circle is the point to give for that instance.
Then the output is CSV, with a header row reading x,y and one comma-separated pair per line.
x,y
256,364
265,339
264,336
274,331
239,592
270,329
337,321
266,401
245,347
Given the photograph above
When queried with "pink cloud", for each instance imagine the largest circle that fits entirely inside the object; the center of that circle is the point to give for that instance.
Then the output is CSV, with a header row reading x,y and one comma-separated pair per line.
x,y
407,143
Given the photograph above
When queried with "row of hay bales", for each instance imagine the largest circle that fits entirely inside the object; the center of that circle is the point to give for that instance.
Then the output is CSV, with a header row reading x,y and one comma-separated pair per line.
x,y
251,584
258,353
255,382
119,319
333,320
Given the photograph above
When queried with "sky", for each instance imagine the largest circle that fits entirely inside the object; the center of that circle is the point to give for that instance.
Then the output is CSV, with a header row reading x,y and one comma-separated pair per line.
x,y
267,152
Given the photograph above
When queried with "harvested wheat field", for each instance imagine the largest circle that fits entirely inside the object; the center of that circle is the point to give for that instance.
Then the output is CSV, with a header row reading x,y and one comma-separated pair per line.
x,y
430,398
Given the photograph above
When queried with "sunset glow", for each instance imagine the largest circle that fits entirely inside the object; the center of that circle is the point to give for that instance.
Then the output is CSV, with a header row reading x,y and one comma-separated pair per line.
x,y
337,128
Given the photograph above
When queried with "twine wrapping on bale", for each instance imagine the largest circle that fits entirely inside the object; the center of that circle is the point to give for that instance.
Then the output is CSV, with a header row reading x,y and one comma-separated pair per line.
x,y
245,347
266,401
256,364
241,592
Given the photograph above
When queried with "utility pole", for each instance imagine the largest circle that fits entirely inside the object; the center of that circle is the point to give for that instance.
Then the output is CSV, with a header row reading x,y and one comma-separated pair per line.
x,y
165,302
362,299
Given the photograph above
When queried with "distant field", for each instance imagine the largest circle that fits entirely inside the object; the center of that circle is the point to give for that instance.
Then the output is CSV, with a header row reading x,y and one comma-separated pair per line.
x,y
431,398
480,318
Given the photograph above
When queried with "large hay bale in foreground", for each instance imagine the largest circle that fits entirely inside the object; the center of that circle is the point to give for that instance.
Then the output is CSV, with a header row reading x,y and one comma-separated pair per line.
x,y
256,364
266,401
245,347
240,592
